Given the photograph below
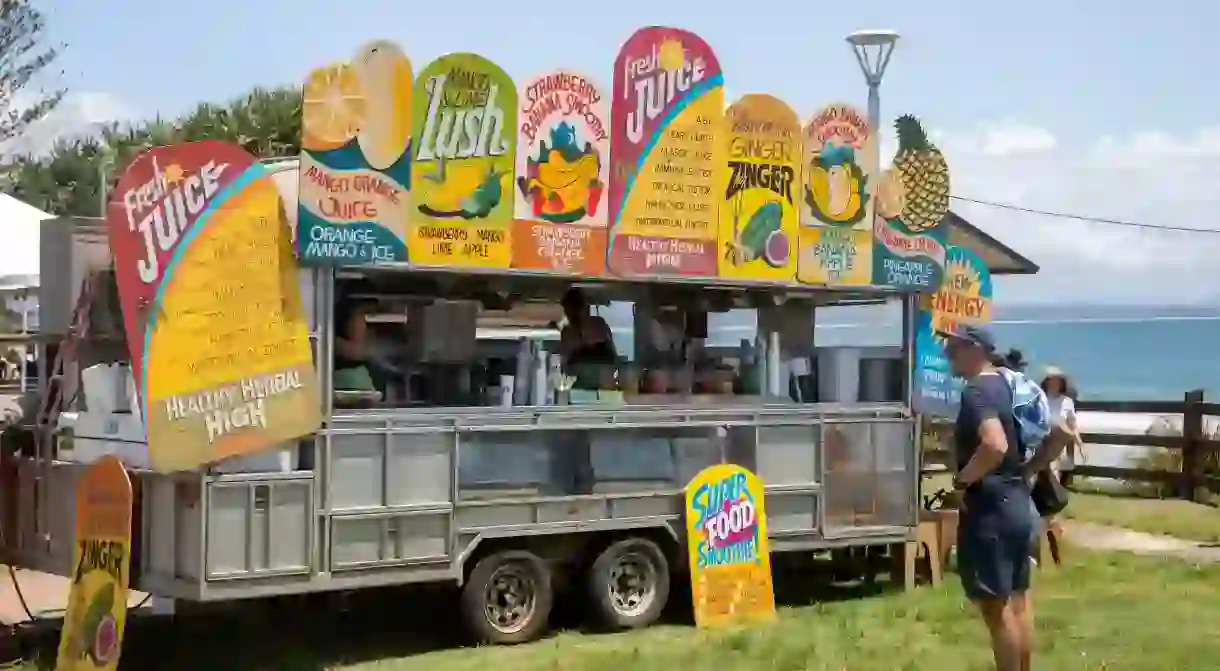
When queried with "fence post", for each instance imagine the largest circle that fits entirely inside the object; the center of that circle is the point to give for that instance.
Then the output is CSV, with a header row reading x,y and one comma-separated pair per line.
x,y
1192,434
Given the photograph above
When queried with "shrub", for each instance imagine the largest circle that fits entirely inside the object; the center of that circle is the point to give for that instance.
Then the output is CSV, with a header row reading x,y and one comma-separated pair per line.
x,y
1161,459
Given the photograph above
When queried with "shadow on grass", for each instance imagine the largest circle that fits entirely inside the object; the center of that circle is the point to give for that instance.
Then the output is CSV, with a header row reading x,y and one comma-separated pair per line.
x,y
324,632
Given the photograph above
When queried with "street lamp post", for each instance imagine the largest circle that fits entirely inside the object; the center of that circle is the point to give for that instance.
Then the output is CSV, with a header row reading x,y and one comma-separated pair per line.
x,y
873,50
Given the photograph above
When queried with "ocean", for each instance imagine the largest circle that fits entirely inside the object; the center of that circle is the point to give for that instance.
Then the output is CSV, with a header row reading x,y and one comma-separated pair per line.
x,y
1128,358
1141,353
1153,353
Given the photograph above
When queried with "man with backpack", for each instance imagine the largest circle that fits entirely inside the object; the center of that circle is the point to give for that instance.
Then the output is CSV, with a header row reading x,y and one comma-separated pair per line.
x,y
996,522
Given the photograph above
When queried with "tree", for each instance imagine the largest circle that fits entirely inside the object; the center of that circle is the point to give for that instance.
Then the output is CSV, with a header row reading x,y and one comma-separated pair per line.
x,y
22,57
266,123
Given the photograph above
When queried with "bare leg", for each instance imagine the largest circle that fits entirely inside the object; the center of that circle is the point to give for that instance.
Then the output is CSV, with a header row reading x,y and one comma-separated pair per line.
x,y
1023,607
1005,629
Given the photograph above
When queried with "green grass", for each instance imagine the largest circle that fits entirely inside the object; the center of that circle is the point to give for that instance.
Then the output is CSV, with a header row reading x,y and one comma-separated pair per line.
x,y
1172,517
1102,611
1121,508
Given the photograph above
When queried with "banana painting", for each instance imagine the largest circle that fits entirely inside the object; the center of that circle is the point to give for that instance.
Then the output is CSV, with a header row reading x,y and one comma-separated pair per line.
x,y
463,151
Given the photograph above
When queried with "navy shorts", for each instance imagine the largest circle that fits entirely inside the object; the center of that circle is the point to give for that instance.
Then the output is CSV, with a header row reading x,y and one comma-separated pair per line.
x,y
994,543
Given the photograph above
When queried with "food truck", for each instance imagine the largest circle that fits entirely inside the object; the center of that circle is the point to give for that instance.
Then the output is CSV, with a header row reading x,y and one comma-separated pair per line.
x,y
486,333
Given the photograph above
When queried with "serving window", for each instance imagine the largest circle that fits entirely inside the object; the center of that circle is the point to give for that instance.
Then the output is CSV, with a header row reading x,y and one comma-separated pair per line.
x,y
518,342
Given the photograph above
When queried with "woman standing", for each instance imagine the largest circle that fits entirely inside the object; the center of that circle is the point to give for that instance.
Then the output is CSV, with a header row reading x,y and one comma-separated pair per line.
x,y
1061,396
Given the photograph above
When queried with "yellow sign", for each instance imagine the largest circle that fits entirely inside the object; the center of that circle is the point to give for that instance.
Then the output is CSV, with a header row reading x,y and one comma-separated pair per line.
x,y
465,139
836,256
92,635
211,305
836,205
760,183
726,536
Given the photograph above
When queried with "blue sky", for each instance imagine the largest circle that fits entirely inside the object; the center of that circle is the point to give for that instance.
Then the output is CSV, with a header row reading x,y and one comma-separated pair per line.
x,y
1093,107
1081,68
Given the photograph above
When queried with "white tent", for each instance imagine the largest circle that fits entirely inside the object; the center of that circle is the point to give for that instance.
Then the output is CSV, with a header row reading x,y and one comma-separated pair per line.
x,y
19,228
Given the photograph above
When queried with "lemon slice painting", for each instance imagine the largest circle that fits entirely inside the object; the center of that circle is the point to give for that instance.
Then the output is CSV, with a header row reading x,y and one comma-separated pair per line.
x,y
332,107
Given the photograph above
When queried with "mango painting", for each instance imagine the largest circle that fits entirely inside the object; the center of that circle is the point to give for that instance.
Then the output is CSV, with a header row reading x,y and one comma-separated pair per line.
x,y
759,186
92,634
355,171
214,320
563,166
836,235
667,115
465,130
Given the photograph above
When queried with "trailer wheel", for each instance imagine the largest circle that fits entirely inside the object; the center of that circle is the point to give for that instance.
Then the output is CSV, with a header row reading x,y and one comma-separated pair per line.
x,y
629,584
508,597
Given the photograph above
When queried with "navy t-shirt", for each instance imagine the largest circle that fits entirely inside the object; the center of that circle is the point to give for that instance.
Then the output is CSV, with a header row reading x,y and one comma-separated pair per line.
x,y
985,397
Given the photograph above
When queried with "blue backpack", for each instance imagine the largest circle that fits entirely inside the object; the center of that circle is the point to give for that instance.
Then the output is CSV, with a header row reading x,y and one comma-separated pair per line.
x,y
1031,411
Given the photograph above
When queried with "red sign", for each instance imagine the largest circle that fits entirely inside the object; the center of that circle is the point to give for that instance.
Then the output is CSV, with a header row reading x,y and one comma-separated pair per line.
x,y
666,113
152,214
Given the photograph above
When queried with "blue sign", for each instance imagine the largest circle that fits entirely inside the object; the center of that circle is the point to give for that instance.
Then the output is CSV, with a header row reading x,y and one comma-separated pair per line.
x,y
964,297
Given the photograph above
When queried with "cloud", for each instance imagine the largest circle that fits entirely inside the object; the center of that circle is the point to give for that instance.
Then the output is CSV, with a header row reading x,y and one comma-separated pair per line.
x,y
1149,177
77,115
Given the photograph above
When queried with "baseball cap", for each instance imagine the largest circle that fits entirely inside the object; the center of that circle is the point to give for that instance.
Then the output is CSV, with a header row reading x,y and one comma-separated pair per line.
x,y
974,335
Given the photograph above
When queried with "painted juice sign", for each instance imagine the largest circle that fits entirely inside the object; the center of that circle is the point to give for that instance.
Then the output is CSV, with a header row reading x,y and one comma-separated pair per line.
x,y
355,165
964,297
759,186
912,203
92,635
730,561
563,164
465,137
836,239
666,117
214,322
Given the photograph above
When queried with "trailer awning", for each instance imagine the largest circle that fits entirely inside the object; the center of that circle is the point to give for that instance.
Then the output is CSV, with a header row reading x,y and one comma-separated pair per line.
x,y
999,257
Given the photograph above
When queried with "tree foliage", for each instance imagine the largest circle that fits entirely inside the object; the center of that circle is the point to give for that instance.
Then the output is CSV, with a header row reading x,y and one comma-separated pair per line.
x,y
23,55
68,180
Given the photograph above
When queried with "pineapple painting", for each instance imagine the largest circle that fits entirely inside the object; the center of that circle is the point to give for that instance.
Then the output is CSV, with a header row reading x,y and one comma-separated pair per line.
x,y
912,201
924,174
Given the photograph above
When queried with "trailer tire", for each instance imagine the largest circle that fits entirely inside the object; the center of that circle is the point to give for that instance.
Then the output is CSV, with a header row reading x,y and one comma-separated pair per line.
x,y
508,598
628,584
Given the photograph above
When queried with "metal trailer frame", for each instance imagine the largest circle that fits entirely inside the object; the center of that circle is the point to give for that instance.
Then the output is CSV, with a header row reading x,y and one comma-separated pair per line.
x,y
384,501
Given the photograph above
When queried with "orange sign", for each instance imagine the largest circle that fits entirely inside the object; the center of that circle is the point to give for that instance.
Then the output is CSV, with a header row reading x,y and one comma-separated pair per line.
x,y
92,636
726,535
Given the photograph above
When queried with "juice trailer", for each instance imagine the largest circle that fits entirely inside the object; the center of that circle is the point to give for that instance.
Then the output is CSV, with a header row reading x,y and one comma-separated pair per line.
x,y
477,469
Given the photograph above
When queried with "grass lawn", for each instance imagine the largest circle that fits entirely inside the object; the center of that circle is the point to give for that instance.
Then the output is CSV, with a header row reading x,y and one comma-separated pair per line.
x,y
1102,611
1172,517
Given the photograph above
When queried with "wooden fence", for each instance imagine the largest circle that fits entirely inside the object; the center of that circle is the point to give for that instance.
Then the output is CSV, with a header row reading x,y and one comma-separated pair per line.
x,y
1191,483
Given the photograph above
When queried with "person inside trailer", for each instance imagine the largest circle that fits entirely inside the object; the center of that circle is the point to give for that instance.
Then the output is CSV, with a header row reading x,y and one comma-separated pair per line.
x,y
355,366
586,343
